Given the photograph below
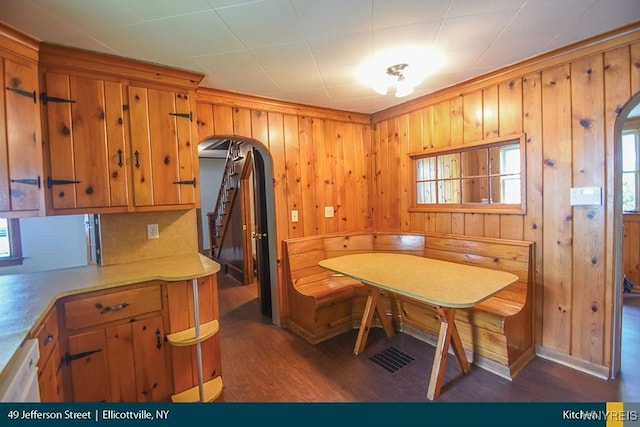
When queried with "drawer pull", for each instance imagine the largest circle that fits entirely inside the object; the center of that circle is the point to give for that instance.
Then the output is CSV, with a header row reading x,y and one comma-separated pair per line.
x,y
48,339
114,307
158,339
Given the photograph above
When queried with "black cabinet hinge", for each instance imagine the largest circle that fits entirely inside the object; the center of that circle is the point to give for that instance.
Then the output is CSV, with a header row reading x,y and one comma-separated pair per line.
x,y
189,182
28,181
68,358
52,182
26,93
188,115
46,99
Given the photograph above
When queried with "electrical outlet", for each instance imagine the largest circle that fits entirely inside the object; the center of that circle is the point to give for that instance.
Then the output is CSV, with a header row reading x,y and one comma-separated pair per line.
x,y
328,211
152,231
294,216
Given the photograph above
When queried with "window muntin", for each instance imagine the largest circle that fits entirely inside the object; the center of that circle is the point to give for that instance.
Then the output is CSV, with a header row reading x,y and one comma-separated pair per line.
x,y
478,176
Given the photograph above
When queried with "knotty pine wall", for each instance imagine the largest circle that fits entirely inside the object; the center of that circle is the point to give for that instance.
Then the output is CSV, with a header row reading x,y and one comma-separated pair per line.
x,y
320,158
565,102
567,106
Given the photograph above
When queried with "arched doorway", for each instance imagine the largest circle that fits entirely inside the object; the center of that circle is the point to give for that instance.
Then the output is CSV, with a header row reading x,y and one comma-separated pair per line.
x,y
618,238
257,226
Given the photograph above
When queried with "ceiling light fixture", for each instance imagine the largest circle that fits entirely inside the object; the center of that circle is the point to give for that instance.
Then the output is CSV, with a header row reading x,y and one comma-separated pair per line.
x,y
403,86
410,67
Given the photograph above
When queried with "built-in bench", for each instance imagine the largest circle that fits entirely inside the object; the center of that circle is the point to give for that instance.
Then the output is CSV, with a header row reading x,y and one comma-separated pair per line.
x,y
497,333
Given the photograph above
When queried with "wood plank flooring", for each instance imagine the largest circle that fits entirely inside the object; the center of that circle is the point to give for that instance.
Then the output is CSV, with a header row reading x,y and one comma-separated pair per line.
x,y
264,363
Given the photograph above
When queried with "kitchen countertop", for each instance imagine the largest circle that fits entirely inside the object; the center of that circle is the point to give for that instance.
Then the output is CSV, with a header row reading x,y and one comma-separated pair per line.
x,y
26,298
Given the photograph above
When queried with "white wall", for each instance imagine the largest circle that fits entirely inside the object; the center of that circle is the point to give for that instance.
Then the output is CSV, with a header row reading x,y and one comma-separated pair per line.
x,y
51,243
211,170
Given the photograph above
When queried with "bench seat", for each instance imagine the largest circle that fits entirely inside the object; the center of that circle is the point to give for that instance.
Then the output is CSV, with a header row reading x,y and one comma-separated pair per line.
x,y
497,333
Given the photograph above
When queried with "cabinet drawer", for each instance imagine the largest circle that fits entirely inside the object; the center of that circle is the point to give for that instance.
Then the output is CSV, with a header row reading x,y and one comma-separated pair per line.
x,y
105,308
47,335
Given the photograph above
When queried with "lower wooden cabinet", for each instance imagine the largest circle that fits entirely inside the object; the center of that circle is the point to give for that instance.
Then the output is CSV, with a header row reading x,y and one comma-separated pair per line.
x,y
119,363
49,363
113,345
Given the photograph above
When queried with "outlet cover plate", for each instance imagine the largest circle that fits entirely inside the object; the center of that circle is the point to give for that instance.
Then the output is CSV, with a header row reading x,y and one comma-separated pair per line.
x,y
152,231
328,211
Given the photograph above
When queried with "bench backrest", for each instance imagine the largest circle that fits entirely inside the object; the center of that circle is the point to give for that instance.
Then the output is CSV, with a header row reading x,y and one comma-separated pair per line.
x,y
302,254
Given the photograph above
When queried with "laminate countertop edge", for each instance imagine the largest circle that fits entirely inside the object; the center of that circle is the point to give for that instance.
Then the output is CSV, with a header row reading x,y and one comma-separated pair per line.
x,y
26,298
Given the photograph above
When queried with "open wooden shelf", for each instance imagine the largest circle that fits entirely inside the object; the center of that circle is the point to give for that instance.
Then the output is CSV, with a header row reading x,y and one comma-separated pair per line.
x,y
188,336
212,389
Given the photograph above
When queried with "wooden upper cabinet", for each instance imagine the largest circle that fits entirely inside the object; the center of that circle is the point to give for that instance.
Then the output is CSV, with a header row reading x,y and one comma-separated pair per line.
x,y
21,192
164,155
87,141
119,133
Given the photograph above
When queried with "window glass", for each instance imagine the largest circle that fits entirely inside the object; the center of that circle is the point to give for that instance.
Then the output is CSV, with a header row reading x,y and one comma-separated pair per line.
x,y
629,154
475,190
630,173
629,192
10,245
474,163
449,166
5,244
449,191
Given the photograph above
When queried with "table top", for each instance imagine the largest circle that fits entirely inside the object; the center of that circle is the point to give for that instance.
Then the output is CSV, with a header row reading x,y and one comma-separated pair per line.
x,y
441,283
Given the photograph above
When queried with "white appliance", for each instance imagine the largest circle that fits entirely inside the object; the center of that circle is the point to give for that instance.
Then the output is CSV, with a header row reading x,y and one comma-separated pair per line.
x,y
20,383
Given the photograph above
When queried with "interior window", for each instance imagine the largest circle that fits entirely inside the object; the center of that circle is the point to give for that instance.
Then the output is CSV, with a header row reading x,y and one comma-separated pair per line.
x,y
480,176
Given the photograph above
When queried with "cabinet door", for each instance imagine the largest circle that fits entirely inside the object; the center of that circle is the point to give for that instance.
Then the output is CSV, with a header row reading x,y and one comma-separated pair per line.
x,y
50,378
122,380
152,384
137,361
20,142
87,149
184,359
87,358
164,156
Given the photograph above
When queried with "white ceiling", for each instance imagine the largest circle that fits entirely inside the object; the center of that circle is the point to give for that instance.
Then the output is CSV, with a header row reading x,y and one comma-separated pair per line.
x,y
308,51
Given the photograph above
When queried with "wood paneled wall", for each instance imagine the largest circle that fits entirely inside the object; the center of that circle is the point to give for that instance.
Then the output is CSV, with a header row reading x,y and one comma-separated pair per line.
x,y
567,108
320,158
565,102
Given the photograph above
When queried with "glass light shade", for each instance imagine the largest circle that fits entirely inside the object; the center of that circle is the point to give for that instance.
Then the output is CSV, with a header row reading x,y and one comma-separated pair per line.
x,y
403,88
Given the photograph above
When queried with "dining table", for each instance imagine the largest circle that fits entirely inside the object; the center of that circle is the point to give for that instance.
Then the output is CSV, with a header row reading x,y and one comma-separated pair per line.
x,y
446,285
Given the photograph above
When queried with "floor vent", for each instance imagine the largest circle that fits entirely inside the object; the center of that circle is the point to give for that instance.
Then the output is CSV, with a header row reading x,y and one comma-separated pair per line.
x,y
392,359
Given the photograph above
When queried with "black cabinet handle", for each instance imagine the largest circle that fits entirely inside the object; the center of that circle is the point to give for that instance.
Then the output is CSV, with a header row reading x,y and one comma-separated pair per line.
x,y
137,154
158,339
114,307
48,339
120,162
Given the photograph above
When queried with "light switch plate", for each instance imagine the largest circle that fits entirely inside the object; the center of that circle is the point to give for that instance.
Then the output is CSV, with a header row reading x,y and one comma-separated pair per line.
x,y
586,196
294,216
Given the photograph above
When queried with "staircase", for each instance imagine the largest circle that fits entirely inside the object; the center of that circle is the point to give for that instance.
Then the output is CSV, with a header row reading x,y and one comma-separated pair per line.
x,y
226,197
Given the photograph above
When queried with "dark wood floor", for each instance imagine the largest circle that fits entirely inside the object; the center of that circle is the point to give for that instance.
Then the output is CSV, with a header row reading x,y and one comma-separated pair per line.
x,y
264,363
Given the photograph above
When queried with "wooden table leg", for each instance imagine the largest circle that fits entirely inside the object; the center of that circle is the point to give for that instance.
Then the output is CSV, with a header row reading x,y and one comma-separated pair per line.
x,y
448,333
374,304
